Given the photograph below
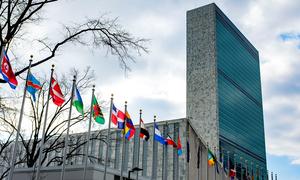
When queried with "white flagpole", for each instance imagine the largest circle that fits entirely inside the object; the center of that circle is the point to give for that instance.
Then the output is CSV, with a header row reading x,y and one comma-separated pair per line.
x,y
108,136
88,135
124,144
68,129
154,153
207,170
44,129
228,163
13,160
138,145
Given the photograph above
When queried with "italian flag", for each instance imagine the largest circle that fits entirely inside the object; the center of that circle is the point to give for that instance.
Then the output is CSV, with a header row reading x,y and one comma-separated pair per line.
x,y
97,113
77,102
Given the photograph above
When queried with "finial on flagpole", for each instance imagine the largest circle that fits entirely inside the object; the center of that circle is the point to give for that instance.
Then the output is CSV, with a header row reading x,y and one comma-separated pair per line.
x,y
141,111
94,87
30,60
52,66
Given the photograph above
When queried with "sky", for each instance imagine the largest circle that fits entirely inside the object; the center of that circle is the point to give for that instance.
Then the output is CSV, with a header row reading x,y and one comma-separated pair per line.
x,y
157,84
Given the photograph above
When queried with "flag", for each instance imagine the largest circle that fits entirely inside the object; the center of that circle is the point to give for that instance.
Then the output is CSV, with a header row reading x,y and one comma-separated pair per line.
x,y
117,117
179,148
211,159
33,85
198,157
7,72
97,113
77,101
144,134
129,127
232,173
217,167
188,151
169,141
56,94
157,136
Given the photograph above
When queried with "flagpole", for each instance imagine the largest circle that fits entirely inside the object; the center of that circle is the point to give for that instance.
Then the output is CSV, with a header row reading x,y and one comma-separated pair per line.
x,y
2,50
228,163
88,135
216,164
234,159
154,158
68,129
207,170
198,160
252,175
108,137
221,154
246,165
124,143
241,161
165,151
12,163
44,129
138,145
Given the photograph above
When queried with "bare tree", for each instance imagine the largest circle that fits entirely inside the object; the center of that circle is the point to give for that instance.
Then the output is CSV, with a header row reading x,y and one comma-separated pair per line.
x,y
30,142
102,32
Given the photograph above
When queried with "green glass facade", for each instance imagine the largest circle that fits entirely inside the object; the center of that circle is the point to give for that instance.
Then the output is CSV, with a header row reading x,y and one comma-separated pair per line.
x,y
239,98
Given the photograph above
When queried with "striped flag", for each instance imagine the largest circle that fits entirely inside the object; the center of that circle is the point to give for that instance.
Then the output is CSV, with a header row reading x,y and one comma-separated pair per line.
x,y
77,102
157,136
144,134
169,141
211,158
33,85
179,148
129,127
6,71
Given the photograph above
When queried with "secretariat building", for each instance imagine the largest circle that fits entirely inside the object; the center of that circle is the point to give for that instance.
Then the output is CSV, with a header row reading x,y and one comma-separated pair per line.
x,y
224,99
224,114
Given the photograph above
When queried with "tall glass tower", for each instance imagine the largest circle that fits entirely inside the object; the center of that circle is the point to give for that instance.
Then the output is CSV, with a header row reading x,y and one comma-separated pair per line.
x,y
224,99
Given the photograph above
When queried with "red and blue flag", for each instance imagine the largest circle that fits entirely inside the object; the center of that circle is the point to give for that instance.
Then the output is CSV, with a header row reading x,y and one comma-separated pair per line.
x,y
117,117
33,85
169,141
7,72
179,148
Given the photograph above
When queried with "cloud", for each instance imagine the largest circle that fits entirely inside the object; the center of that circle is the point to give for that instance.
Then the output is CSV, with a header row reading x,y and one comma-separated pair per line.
x,y
267,26
157,82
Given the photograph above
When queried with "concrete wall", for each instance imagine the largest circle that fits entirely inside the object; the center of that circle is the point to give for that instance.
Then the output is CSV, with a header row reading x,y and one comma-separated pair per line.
x,y
177,167
202,171
202,73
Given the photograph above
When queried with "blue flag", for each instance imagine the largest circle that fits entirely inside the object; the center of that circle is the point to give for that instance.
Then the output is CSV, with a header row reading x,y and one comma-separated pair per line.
x,y
158,137
33,85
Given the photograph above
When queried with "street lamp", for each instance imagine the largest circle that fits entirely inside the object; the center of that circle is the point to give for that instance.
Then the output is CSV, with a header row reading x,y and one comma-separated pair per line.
x,y
133,170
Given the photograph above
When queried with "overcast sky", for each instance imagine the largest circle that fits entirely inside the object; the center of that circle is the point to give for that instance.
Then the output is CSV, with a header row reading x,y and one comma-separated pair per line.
x,y
157,81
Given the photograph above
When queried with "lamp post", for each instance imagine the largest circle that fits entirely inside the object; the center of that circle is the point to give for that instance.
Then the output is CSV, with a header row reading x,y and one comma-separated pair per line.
x,y
133,170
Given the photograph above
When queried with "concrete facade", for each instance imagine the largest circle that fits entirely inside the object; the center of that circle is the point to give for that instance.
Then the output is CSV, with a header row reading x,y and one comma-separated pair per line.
x,y
201,97
224,99
177,167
